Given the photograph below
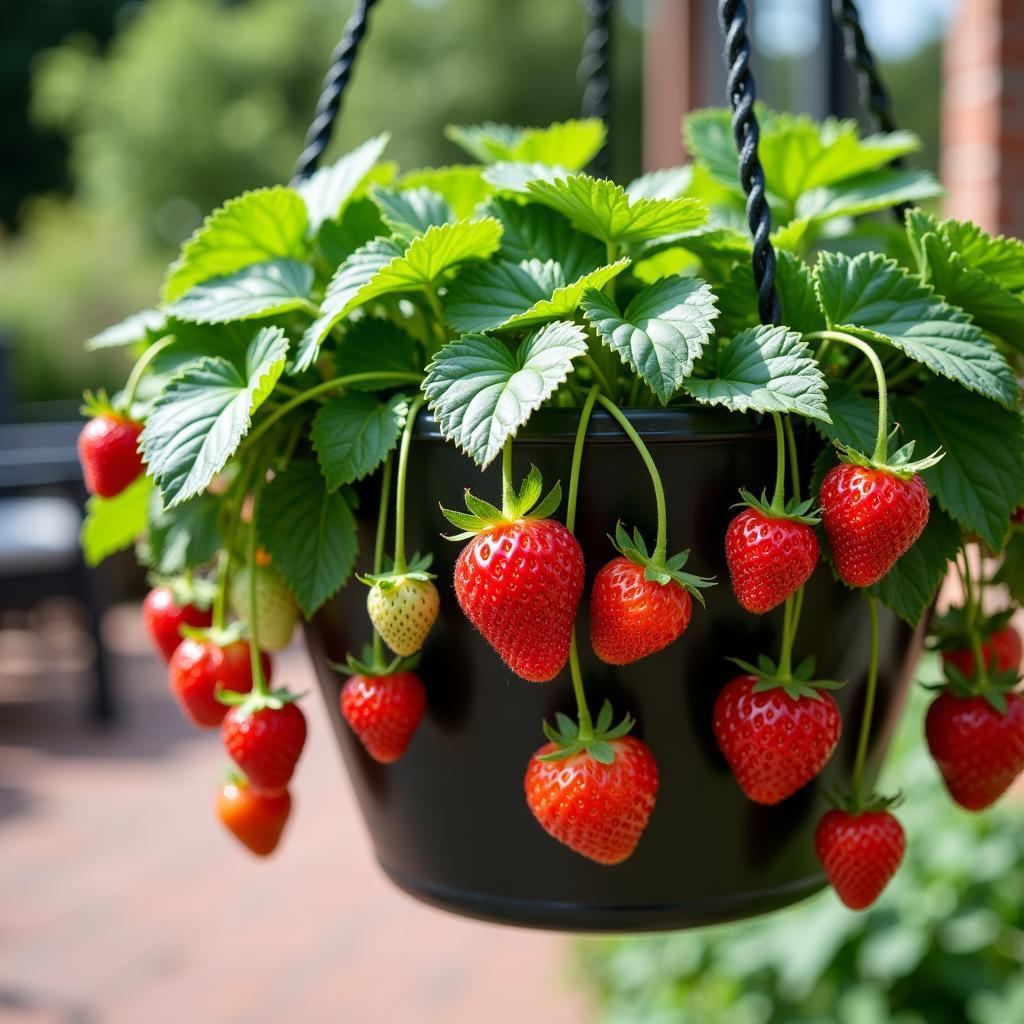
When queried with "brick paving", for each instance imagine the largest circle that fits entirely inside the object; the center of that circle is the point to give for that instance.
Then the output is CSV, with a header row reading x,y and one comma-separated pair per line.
x,y
123,902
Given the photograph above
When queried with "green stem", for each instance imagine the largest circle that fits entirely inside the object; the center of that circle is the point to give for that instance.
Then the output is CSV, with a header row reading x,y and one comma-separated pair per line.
x,y
779,494
382,377
437,324
378,545
661,546
259,683
786,653
508,487
794,465
869,705
241,485
882,438
142,365
582,711
403,466
972,601
598,373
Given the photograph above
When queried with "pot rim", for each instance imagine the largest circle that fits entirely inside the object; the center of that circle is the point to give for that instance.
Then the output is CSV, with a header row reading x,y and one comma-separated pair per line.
x,y
691,422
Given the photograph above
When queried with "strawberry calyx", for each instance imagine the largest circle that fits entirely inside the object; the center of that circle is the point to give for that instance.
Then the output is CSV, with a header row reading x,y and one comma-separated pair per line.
x,y
232,775
198,592
526,503
389,578
900,464
994,687
373,665
96,404
219,636
670,571
796,684
794,510
570,739
250,703
851,803
953,630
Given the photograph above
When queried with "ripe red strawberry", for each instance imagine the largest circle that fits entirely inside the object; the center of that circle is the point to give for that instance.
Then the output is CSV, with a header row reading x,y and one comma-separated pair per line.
x,y
776,737
108,452
384,711
978,748
163,615
872,517
520,578
256,819
594,796
770,555
264,736
860,853
1001,652
638,607
199,667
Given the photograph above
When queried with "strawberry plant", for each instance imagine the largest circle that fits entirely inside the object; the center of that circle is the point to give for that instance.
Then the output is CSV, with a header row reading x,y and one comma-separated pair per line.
x,y
307,335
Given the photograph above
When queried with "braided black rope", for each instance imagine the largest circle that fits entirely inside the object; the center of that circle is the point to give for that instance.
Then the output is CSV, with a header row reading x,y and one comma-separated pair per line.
x,y
596,72
873,94
732,14
335,82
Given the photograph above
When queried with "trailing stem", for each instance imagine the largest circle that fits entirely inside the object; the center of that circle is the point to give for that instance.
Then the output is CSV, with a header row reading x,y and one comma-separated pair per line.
x,y
378,545
869,705
259,683
403,466
143,363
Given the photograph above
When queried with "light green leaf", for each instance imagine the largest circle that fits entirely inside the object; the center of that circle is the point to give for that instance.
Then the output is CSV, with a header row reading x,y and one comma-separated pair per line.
x,y
515,175
267,224
352,435
203,414
868,193
112,524
482,389
533,232
263,289
411,212
602,209
979,481
570,144
184,537
496,296
348,281
910,587
707,135
765,369
327,191
133,329
373,345
462,185
873,296
668,183
487,142
663,330
309,532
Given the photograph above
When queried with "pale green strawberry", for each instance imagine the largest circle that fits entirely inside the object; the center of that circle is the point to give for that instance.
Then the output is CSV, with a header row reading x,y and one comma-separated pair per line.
x,y
276,609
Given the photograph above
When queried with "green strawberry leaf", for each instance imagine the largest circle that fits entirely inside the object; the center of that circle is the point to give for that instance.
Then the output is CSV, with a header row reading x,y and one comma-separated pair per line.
x,y
872,296
910,587
571,144
663,330
309,532
667,183
500,295
360,223
112,524
868,193
327,191
765,369
184,537
411,212
514,176
602,209
482,389
978,482
996,256
353,434
266,224
136,328
462,186
854,418
263,289
799,302
349,281
203,413
373,345
487,142
533,232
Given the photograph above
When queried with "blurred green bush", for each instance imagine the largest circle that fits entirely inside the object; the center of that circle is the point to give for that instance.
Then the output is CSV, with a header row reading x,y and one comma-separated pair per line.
x,y
944,945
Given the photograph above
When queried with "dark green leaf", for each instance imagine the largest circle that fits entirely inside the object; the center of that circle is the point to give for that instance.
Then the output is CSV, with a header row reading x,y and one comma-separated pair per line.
x,y
411,212
371,345
184,537
352,435
854,417
360,223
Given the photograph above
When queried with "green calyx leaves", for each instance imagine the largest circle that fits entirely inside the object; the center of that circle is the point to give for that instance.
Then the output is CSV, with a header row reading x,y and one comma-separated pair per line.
x,y
900,463
372,666
526,503
98,403
635,549
187,589
795,511
846,800
569,741
417,569
798,683
218,636
250,703
992,685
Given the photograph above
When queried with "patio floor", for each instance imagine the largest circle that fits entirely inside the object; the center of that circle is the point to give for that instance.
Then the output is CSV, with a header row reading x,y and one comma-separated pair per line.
x,y
123,902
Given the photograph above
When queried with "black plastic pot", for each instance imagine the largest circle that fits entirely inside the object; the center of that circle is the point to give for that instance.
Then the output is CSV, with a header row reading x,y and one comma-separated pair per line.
x,y
449,821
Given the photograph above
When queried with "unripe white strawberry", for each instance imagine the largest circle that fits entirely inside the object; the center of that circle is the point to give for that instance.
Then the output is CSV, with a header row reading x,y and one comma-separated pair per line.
x,y
403,609
276,609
